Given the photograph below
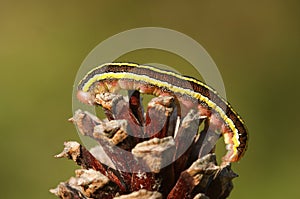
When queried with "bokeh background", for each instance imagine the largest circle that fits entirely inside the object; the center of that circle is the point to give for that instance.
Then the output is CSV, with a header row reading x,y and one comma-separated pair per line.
x,y
255,44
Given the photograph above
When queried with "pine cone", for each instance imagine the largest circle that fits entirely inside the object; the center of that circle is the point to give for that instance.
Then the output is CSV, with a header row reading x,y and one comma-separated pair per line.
x,y
144,155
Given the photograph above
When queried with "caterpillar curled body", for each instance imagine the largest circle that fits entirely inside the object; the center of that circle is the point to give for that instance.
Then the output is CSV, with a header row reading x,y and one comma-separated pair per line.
x,y
189,91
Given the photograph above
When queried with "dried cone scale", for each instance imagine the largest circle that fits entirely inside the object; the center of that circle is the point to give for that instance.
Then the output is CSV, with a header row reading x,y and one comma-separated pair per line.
x,y
152,155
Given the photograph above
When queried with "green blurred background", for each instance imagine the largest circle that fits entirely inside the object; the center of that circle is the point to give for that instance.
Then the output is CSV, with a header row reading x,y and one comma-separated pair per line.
x,y
255,44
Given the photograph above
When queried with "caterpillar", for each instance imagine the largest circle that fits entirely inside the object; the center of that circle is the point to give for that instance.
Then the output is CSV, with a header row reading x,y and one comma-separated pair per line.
x,y
189,91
